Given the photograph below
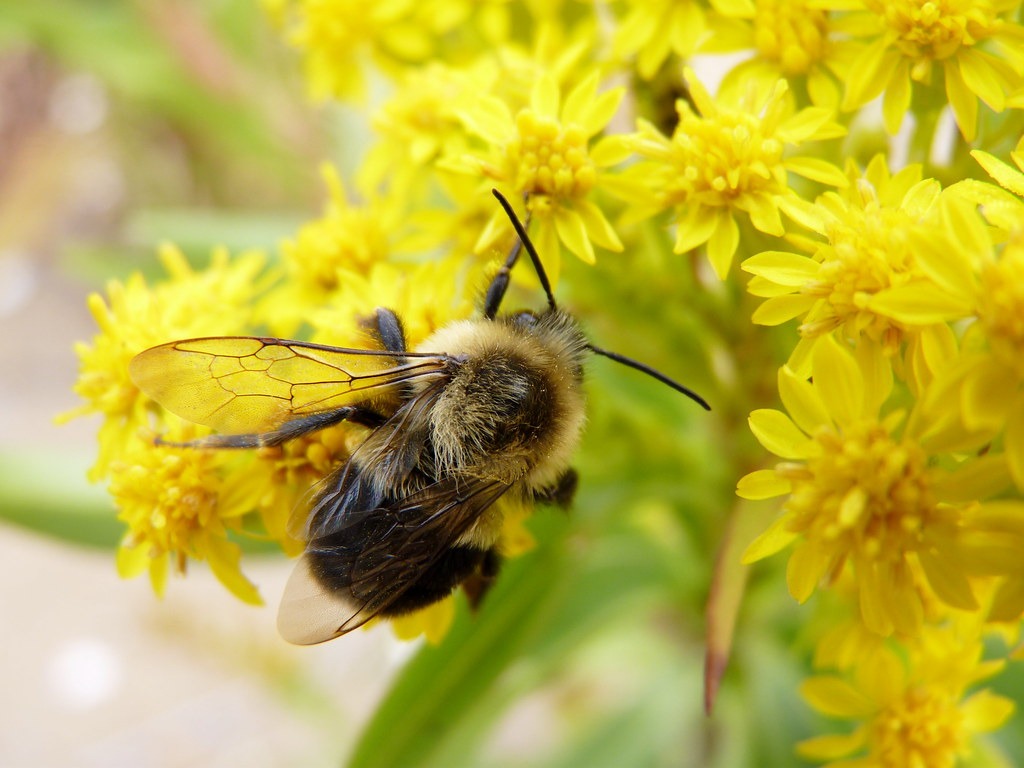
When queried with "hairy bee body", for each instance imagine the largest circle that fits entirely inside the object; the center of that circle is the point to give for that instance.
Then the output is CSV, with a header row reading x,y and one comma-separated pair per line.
x,y
502,418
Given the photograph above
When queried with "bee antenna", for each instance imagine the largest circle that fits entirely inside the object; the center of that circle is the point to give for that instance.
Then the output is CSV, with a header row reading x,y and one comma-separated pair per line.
x,y
497,289
628,361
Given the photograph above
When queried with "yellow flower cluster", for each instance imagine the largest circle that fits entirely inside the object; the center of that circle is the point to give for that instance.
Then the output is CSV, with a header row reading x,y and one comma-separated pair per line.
x,y
901,442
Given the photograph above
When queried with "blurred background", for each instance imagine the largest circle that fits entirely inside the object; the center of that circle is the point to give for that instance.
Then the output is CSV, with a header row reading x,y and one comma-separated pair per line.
x,y
124,124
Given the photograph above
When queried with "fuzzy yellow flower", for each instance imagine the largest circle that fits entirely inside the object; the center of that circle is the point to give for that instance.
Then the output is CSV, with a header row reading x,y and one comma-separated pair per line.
x,y
976,45
653,29
913,709
544,153
726,160
348,238
970,278
134,317
866,250
179,504
339,38
792,39
862,494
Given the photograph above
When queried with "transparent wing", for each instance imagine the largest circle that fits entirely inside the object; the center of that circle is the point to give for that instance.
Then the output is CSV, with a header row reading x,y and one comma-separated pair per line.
x,y
246,384
396,549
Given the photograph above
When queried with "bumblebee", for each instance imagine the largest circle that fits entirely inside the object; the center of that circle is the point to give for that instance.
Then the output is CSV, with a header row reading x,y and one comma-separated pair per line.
x,y
481,409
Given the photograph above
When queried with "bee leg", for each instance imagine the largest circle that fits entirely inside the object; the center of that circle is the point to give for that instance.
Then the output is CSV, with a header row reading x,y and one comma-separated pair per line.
x,y
479,583
562,492
287,431
385,326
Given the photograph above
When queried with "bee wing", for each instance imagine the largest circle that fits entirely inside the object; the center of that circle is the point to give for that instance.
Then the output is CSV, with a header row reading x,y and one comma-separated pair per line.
x,y
400,546
247,384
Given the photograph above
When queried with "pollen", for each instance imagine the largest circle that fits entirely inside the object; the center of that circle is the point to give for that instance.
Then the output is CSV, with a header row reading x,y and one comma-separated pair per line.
x,y
791,33
551,159
924,727
932,30
866,494
1001,304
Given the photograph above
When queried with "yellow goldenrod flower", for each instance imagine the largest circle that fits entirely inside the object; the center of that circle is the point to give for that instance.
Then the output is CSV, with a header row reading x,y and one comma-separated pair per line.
x,y
418,124
862,493
969,277
134,317
179,504
912,709
339,38
652,29
347,239
286,473
544,153
866,250
791,39
726,159
977,44
1002,206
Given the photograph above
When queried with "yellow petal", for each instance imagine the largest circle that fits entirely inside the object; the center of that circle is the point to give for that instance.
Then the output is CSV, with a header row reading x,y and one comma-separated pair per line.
x,y
722,244
873,606
1008,177
869,74
778,434
764,213
780,309
979,477
572,232
816,170
839,381
831,747
920,303
131,561
694,228
987,393
805,569
598,228
876,370
782,267
896,101
979,78
836,698
985,711
950,585
762,484
544,97
802,400
224,558
1014,441
963,102
776,538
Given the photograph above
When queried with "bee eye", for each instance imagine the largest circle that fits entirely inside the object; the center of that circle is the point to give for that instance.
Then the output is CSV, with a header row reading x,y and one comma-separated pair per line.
x,y
524,319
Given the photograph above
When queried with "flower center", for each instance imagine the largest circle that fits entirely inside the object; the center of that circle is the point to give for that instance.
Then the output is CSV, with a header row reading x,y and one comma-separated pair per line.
x,y
922,728
167,520
1001,304
935,29
722,157
790,33
865,493
868,252
550,159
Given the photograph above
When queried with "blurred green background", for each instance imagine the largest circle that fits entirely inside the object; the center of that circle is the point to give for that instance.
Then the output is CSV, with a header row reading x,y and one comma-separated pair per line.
x,y
123,124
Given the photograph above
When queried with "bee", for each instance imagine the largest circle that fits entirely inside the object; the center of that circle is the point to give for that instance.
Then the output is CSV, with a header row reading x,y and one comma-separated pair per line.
x,y
483,409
